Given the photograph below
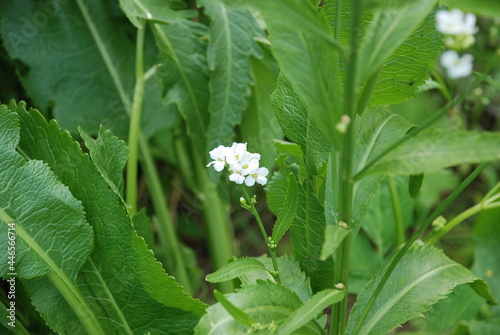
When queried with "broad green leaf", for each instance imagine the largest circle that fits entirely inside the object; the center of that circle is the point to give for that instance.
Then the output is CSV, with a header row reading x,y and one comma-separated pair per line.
x,y
376,130
236,268
483,7
109,154
365,263
154,10
433,149
144,228
291,275
293,117
409,66
259,126
334,235
233,33
267,303
288,211
122,282
423,276
388,29
302,33
235,312
63,70
310,310
183,74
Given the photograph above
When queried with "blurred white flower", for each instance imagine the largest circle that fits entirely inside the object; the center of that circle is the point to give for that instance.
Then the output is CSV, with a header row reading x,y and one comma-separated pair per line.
x,y
456,66
258,176
219,157
243,165
461,26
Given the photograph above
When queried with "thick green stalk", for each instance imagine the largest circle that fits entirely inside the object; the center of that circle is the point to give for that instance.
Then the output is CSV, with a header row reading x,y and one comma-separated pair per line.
x,y
216,218
345,182
272,250
397,257
168,236
396,207
135,122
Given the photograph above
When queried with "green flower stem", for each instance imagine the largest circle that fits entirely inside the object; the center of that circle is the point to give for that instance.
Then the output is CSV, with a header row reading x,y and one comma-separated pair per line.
x,y
488,202
135,122
442,85
272,251
167,234
397,257
66,287
414,131
345,182
398,215
215,215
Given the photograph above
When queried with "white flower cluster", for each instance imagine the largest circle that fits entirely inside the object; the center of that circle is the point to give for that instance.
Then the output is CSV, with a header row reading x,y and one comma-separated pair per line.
x,y
459,29
243,165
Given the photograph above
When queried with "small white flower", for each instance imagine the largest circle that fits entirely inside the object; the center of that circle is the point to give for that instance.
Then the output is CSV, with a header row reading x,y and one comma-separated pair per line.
x,y
247,164
456,66
237,177
258,176
219,157
235,152
455,22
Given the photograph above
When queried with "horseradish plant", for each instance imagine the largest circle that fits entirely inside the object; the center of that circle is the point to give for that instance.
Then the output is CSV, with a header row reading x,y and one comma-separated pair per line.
x,y
288,99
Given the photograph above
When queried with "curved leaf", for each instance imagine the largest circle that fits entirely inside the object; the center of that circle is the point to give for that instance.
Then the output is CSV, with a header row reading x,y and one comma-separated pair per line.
x,y
236,268
423,276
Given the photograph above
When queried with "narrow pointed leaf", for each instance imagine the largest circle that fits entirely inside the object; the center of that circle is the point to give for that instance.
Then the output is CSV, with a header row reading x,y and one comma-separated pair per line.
x,y
334,235
239,315
288,211
235,269
310,310
424,276
436,149
233,33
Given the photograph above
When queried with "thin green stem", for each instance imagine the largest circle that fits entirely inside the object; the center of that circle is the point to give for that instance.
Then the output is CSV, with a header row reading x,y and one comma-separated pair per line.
x,y
442,85
396,207
345,182
397,257
414,131
168,236
135,122
18,328
272,250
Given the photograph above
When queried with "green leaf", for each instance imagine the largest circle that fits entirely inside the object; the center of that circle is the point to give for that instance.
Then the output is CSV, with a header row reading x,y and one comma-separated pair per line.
x,y
310,310
415,184
287,212
365,263
109,154
64,73
423,276
183,73
154,10
259,126
233,33
436,149
302,33
291,275
122,282
334,235
236,268
294,119
409,66
144,228
235,312
388,29
267,303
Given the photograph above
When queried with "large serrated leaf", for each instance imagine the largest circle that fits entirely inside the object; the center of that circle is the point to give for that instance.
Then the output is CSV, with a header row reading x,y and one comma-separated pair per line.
x,y
233,33
288,211
267,303
294,119
237,268
433,149
122,282
423,276
64,69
